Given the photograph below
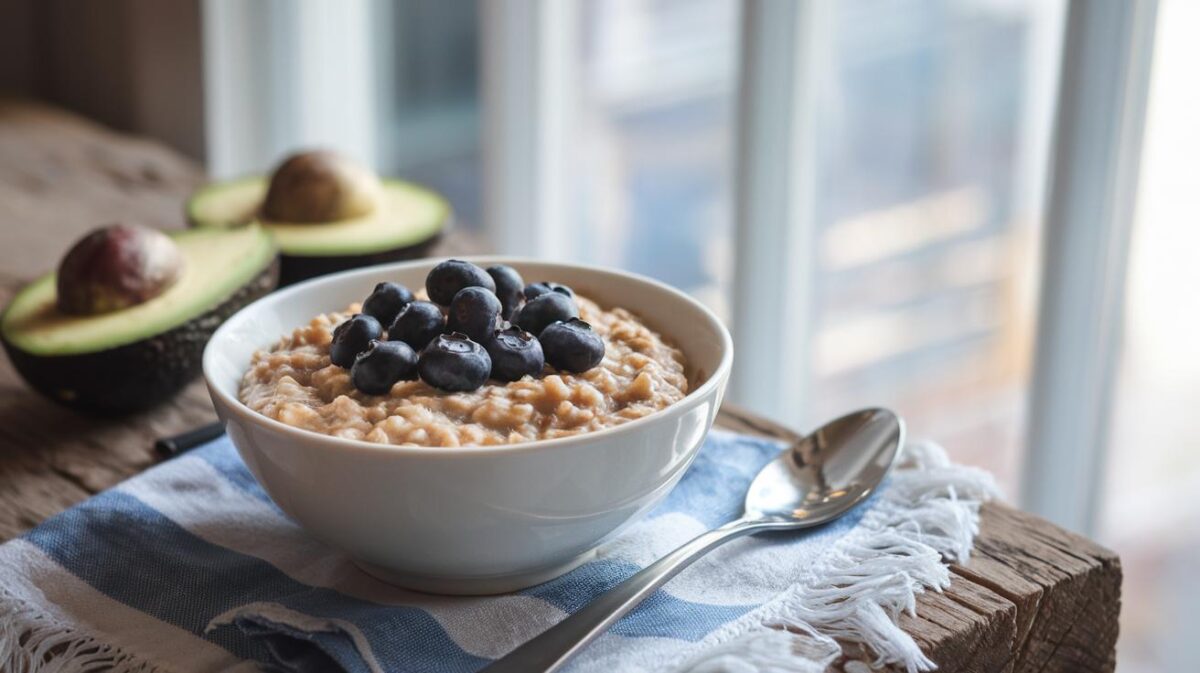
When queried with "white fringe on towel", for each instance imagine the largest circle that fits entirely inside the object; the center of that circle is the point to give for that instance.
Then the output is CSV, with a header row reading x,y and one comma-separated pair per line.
x,y
928,514
32,641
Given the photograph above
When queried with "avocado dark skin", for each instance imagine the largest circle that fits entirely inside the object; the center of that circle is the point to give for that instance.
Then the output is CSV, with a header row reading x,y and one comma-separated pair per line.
x,y
138,375
297,268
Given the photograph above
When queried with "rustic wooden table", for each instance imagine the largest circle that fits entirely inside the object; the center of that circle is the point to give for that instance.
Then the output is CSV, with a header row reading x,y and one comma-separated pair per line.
x,y
1032,598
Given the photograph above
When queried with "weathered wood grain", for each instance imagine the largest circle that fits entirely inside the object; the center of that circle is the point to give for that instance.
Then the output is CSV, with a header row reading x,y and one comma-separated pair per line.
x,y
1033,598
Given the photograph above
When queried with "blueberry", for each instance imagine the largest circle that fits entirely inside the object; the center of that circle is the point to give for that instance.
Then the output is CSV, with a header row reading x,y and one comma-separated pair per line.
x,y
543,310
384,363
514,353
453,362
352,337
535,290
417,324
474,312
508,288
572,346
386,302
446,279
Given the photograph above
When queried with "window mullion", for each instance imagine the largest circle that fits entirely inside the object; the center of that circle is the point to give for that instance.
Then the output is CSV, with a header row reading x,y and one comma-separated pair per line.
x,y
529,70
1093,181
280,76
775,259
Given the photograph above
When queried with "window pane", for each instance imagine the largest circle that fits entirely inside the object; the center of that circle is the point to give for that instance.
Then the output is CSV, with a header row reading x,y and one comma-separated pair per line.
x,y
933,125
655,125
1152,499
428,107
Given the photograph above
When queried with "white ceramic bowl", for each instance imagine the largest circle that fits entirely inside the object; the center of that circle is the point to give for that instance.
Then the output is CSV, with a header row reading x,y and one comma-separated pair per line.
x,y
471,519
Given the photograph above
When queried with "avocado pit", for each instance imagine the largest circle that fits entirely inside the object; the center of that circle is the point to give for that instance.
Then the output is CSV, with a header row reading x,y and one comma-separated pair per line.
x,y
320,186
116,267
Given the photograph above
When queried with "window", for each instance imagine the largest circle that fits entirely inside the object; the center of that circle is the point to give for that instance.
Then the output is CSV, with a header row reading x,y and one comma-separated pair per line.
x,y
655,129
427,74
934,121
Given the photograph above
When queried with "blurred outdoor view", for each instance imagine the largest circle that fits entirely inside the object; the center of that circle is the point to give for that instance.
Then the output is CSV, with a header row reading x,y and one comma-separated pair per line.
x,y
934,119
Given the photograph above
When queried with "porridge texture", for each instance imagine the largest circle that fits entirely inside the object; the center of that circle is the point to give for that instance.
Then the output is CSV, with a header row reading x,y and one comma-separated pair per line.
x,y
296,383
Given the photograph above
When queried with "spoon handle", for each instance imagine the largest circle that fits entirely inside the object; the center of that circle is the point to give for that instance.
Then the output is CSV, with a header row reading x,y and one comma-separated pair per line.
x,y
550,650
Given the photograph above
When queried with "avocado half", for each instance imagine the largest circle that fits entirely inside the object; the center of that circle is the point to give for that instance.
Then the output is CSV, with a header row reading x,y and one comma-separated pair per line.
x,y
135,357
407,223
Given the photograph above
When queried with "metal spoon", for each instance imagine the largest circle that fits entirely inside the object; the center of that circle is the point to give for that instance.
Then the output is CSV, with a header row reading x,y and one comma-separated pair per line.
x,y
815,481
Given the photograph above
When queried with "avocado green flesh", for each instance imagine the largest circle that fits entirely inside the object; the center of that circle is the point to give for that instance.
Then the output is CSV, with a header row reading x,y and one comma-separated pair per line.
x,y
407,215
217,263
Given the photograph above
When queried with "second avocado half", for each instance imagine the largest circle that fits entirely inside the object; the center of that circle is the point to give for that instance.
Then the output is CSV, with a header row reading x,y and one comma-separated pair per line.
x,y
327,214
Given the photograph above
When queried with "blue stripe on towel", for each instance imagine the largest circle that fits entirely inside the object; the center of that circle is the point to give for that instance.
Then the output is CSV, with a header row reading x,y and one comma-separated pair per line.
x,y
713,489
224,458
135,555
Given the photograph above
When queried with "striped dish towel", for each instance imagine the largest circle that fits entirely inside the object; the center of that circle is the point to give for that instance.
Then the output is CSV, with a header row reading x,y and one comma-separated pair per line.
x,y
190,567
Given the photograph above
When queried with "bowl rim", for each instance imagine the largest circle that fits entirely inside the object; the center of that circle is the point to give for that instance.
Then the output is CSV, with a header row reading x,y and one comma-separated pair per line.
x,y
234,405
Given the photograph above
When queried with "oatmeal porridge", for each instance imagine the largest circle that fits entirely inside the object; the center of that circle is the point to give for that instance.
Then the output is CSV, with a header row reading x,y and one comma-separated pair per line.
x,y
639,373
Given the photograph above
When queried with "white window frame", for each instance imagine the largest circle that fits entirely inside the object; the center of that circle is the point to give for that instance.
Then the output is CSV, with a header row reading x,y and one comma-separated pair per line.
x,y
775,257
529,69
1104,83
282,75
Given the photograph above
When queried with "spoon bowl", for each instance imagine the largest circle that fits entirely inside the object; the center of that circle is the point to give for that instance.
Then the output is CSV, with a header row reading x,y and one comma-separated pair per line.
x,y
827,472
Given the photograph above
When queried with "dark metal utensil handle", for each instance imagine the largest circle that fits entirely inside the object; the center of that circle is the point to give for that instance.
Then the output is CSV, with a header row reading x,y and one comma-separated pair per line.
x,y
177,444
550,650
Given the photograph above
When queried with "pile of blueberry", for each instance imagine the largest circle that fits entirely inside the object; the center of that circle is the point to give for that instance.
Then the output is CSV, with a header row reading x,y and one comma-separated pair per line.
x,y
478,325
